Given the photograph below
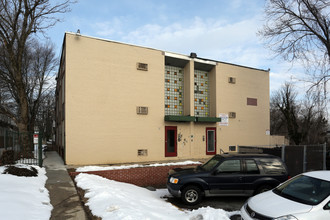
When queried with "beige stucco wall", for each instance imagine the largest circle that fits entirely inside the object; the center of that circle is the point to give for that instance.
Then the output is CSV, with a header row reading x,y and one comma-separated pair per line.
x,y
103,89
251,122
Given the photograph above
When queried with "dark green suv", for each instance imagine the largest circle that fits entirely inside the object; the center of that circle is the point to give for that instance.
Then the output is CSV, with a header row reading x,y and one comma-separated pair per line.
x,y
227,175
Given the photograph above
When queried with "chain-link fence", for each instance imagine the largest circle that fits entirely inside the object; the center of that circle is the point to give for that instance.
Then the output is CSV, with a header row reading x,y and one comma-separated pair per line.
x,y
23,148
298,158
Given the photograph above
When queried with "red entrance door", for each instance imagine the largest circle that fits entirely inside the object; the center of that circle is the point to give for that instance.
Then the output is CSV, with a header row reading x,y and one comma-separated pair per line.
x,y
170,141
211,141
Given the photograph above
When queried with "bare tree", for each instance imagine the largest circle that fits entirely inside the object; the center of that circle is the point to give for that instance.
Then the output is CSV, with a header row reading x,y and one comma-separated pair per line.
x,y
40,78
38,68
302,121
277,121
312,119
285,101
46,116
20,21
298,30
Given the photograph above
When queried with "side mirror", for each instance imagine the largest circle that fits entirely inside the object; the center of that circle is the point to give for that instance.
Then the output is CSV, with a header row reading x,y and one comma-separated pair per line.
x,y
327,206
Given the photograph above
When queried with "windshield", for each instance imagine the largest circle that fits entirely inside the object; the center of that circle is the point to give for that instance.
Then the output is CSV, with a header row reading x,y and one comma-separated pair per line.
x,y
209,165
304,189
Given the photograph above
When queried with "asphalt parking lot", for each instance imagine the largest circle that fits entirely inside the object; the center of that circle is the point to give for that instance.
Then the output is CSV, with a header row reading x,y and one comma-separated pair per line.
x,y
225,203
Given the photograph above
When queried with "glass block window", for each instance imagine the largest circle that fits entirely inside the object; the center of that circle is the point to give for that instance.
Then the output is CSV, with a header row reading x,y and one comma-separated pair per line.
x,y
173,90
201,93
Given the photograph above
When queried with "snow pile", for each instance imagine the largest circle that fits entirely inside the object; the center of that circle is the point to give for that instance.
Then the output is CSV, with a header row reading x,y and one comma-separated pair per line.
x,y
122,167
24,197
114,200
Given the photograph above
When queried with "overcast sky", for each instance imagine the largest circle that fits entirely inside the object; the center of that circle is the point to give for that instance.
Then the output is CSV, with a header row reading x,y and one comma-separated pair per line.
x,y
222,30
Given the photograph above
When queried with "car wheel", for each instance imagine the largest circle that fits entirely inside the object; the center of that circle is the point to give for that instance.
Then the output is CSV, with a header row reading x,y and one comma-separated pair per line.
x,y
263,188
191,195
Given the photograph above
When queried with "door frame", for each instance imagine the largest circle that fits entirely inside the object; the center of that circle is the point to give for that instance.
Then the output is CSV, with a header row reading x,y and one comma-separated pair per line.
x,y
175,153
215,140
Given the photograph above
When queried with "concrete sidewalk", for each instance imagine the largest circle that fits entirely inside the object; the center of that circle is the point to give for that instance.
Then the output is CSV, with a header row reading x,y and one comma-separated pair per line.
x,y
63,194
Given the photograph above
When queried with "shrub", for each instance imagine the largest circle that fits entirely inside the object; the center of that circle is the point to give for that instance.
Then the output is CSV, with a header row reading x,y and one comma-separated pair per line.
x,y
8,157
21,171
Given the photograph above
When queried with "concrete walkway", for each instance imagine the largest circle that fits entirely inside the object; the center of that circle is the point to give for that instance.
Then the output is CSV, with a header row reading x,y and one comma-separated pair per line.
x,y
63,194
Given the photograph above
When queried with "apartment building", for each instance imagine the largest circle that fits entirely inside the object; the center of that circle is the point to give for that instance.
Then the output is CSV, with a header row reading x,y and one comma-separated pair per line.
x,y
120,103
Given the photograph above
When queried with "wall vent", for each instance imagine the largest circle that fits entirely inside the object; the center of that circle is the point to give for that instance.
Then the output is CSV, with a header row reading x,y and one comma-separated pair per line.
x,y
142,66
232,114
232,80
140,110
142,152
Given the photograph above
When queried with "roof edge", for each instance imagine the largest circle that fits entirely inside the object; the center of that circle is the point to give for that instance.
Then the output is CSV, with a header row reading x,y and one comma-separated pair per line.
x,y
167,52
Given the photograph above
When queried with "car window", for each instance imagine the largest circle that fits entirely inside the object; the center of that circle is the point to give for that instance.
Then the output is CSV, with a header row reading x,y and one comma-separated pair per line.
x,y
327,206
304,189
272,166
209,165
251,167
229,166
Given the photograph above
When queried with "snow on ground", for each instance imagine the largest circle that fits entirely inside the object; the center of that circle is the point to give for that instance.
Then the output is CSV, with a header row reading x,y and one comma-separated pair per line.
x,y
99,168
24,197
114,200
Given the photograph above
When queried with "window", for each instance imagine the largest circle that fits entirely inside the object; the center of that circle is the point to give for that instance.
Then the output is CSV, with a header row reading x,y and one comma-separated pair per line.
x,y
201,93
209,165
173,90
251,167
272,166
252,101
211,141
170,141
230,166
304,189
232,80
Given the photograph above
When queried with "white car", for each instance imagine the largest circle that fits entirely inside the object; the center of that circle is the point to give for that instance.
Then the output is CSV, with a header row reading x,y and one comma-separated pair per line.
x,y
304,197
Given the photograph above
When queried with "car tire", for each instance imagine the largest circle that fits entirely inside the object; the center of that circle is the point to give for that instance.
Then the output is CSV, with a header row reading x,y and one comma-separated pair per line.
x,y
263,188
191,195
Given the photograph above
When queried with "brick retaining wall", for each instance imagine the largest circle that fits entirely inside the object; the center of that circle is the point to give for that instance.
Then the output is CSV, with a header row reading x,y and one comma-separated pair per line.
x,y
141,176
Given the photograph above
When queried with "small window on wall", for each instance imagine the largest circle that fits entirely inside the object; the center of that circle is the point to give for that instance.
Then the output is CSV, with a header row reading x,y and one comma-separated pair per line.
x,y
252,101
